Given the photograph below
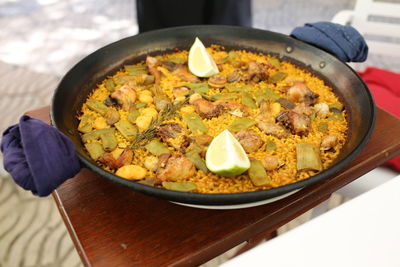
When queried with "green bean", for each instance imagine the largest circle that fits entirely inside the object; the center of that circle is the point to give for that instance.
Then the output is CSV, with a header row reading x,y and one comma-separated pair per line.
x,y
177,60
112,116
85,125
277,77
95,135
241,124
335,117
195,123
156,147
195,158
308,157
110,86
257,173
148,79
233,55
95,150
97,106
225,96
132,115
270,145
135,70
180,186
109,140
140,105
338,106
275,62
128,130
270,94
248,100
323,127
200,88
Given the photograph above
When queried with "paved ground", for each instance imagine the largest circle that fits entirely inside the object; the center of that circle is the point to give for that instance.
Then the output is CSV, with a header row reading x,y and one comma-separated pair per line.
x,y
40,41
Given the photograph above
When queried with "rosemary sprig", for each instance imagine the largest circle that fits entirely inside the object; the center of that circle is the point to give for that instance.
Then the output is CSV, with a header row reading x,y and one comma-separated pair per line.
x,y
167,113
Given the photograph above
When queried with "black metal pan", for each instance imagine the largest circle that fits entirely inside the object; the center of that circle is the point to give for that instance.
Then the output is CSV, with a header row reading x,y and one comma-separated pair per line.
x,y
83,77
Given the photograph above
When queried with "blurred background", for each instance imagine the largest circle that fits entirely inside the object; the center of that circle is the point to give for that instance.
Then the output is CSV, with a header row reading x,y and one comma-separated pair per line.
x,y
39,41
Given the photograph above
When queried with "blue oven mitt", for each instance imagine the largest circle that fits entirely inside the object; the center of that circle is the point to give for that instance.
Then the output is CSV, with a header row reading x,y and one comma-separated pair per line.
x,y
40,158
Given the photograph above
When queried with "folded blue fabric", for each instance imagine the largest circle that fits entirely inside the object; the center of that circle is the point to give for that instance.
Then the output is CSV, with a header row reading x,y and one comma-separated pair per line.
x,y
38,156
343,41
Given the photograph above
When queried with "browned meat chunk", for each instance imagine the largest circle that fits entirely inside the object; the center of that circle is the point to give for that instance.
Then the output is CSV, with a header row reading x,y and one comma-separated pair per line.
x,y
299,92
303,109
203,139
174,167
207,109
231,105
124,159
169,130
257,72
329,142
298,124
249,139
270,127
125,96
152,64
271,163
233,77
183,73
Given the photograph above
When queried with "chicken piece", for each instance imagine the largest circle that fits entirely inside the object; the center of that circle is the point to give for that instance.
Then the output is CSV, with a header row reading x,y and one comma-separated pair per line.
x,y
124,159
169,130
217,81
151,163
174,167
152,64
257,72
271,163
183,73
125,96
207,109
270,127
298,124
321,110
302,108
249,140
328,142
299,92
231,105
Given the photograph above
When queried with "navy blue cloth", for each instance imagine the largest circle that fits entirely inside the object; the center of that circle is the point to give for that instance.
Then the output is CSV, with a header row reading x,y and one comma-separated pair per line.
x,y
343,41
38,156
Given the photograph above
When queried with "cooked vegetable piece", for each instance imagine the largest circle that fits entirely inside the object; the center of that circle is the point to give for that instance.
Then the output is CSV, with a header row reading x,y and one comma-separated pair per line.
x,y
109,140
222,60
97,106
140,105
248,100
308,157
275,62
234,88
323,127
133,114
270,94
156,147
177,60
277,77
95,135
241,124
95,150
195,123
286,103
335,117
110,86
85,125
180,186
224,96
131,172
135,70
338,106
112,116
200,88
148,79
270,145
123,79
128,130
257,173
195,158
233,55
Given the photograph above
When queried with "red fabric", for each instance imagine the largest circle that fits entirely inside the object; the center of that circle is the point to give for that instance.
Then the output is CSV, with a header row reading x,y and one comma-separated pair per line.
x,y
385,88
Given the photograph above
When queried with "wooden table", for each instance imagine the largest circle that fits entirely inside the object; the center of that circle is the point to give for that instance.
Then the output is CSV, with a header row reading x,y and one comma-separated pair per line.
x,y
112,225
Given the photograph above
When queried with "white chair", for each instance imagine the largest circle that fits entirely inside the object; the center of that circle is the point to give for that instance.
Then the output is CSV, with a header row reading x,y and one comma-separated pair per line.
x,y
379,23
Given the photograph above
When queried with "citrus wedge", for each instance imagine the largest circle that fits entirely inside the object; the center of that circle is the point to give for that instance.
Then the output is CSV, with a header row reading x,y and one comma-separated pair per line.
x,y
200,62
225,156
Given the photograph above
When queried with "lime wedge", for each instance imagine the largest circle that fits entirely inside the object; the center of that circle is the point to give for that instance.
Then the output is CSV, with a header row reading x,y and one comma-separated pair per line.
x,y
225,156
200,62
